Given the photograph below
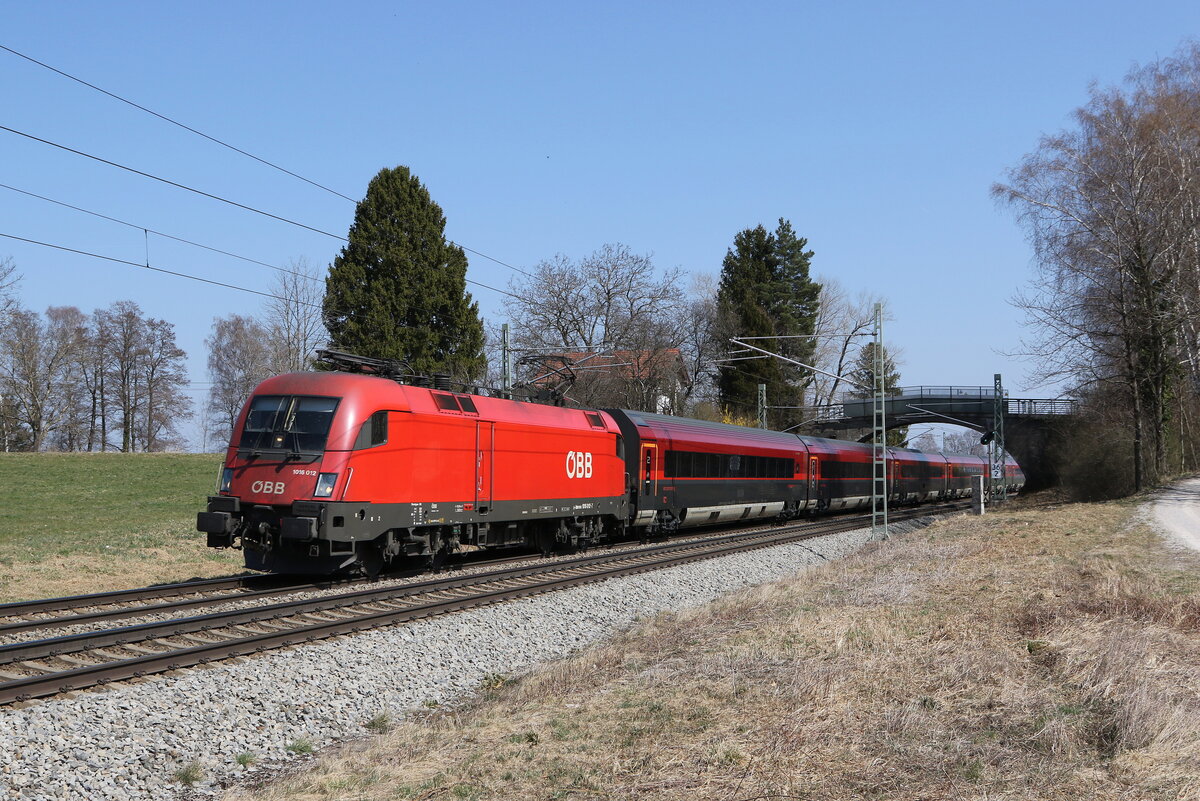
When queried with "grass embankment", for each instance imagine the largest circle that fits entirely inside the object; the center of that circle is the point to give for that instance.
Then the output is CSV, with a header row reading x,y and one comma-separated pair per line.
x,y
73,523
1050,654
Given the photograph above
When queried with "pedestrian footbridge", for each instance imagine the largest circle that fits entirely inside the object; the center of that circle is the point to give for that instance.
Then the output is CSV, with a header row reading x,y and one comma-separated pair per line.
x,y
1031,425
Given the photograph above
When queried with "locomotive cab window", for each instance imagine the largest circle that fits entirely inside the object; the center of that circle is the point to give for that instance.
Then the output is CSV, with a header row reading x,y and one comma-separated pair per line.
x,y
293,423
373,432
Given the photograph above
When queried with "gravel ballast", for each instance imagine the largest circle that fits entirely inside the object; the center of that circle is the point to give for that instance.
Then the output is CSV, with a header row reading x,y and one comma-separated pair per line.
x,y
132,741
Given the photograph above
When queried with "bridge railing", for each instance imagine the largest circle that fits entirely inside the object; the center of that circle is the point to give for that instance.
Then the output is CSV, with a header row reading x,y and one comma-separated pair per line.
x,y
967,393
965,400
1041,406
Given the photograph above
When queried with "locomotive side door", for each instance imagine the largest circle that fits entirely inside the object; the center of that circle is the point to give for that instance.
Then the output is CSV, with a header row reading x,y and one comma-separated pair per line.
x,y
484,451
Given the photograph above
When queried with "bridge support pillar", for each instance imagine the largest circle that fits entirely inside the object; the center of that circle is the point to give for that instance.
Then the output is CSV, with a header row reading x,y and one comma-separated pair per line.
x,y
1032,443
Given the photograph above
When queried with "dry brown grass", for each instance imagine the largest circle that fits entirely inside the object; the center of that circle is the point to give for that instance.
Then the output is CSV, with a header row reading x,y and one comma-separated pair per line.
x,y
180,554
1026,654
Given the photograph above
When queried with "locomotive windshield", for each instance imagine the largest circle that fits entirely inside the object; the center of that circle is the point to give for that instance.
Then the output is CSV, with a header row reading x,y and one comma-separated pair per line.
x,y
293,423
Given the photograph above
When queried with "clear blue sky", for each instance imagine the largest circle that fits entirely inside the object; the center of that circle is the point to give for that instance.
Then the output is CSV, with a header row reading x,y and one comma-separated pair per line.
x,y
876,128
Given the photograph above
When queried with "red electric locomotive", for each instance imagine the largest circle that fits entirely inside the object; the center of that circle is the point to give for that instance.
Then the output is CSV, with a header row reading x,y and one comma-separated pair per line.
x,y
331,472
337,472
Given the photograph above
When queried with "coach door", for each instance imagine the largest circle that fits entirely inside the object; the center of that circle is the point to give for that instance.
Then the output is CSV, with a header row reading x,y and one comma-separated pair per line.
x,y
814,466
649,466
484,453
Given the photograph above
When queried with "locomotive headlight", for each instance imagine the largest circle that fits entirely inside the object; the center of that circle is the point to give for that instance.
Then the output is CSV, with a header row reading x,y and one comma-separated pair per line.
x,y
325,482
226,480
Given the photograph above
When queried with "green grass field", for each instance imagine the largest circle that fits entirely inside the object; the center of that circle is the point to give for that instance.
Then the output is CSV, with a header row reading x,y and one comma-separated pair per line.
x,y
86,522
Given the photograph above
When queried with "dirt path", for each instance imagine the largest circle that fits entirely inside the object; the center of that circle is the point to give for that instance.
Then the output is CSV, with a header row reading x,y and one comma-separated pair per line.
x,y
1177,510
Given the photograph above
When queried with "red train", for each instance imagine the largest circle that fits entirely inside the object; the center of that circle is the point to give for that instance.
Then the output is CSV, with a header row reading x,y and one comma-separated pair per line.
x,y
337,472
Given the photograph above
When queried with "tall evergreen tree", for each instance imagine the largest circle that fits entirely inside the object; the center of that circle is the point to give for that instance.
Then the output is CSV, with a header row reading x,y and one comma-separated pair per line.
x,y
398,288
862,373
766,291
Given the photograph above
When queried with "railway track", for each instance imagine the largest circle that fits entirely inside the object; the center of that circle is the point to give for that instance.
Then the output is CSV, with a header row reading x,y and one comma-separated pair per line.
x,y
54,665
25,616
123,604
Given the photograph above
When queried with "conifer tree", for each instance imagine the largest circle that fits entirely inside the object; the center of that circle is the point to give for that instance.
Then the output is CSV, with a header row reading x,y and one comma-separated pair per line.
x,y
398,288
863,375
766,291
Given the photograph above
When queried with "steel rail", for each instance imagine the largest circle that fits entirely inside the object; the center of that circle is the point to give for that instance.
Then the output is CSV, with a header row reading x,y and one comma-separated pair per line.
x,y
20,608
556,576
90,640
272,584
125,612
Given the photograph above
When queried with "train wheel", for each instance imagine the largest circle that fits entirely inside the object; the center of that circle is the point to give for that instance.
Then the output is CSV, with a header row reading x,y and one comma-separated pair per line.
x,y
370,560
546,540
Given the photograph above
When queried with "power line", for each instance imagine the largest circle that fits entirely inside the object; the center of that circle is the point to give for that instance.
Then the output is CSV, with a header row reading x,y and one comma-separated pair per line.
x,y
156,233
219,142
198,244
490,258
176,122
172,183
222,143
205,280
159,270
214,197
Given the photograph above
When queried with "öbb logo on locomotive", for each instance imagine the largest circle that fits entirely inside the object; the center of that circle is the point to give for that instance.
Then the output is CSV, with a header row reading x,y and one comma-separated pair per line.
x,y
340,473
579,464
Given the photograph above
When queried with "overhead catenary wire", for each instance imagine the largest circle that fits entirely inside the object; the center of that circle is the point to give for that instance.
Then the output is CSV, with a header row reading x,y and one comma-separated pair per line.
x,y
175,184
165,118
157,269
157,233
191,277
230,202
234,148
201,245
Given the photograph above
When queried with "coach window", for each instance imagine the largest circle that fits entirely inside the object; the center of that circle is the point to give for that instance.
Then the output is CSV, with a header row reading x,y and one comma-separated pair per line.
x,y
373,432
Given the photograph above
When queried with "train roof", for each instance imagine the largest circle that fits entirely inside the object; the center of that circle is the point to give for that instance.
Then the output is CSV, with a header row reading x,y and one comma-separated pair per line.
x,y
362,395
708,431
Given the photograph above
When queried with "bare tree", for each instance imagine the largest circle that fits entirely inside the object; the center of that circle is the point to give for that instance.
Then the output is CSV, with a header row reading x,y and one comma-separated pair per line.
x,y
611,301
35,356
1111,207
963,441
59,374
844,325
9,278
926,442
67,335
238,359
701,343
164,377
293,320
95,365
127,330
